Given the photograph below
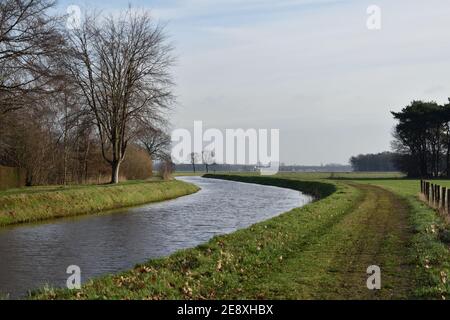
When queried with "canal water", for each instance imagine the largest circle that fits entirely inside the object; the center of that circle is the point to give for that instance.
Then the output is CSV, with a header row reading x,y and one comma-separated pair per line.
x,y
34,255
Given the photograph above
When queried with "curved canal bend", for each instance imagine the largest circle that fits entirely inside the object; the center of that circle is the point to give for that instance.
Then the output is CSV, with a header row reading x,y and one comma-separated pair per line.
x,y
38,254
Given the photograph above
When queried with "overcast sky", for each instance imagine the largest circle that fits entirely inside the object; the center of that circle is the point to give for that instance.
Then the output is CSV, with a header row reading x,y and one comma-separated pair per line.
x,y
310,68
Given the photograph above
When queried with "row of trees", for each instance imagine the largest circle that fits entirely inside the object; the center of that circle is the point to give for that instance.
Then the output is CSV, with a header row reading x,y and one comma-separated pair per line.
x,y
384,161
76,103
422,139
207,158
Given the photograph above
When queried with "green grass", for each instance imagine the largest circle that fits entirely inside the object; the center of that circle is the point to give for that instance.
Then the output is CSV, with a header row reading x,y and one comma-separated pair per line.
x,y
39,203
441,182
301,254
343,175
317,189
50,188
431,238
319,251
229,266
431,234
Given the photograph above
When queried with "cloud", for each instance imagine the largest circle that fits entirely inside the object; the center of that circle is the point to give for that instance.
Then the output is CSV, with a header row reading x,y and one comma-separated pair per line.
x,y
308,67
183,9
320,76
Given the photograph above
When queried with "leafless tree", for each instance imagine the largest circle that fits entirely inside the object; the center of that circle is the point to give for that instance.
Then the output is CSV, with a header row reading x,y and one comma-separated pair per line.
x,y
29,44
121,65
156,141
208,158
193,156
29,143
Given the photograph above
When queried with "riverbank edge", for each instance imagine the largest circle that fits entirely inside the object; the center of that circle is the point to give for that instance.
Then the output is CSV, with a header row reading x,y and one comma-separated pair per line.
x,y
207,271
318,190
19,208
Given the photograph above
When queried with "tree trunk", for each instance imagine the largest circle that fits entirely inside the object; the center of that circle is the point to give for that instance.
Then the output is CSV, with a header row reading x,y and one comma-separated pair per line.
x,y
85,160
115,166
65,140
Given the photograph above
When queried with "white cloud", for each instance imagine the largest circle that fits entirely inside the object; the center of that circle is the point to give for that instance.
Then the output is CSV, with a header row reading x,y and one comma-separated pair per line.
x,y
195,8
320,74
308,67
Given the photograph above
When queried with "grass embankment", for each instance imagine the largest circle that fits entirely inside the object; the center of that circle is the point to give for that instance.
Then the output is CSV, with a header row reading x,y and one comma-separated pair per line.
x,y
317,189
39,203
430,241
430,238
319,251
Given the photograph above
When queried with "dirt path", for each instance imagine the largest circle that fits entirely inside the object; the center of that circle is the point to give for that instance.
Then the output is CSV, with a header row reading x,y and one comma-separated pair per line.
x,y
377,233
380,235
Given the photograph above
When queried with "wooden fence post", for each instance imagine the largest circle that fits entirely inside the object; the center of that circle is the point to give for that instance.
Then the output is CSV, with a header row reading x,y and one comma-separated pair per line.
x,y
444,198
435,194
438,200
448,201
429,190
436,203
432,194
438,193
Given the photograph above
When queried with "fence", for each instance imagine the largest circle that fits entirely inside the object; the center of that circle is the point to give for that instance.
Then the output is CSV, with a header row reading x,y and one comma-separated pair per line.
x,y
12,177
437,196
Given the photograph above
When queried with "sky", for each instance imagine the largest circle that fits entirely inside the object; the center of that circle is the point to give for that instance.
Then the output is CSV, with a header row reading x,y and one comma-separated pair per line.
x,y
310,68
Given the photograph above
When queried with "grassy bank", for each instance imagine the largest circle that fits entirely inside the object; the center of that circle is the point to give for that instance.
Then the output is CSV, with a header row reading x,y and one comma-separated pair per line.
x,y
301,254
318,189
431,239
230,266
39,203
319,251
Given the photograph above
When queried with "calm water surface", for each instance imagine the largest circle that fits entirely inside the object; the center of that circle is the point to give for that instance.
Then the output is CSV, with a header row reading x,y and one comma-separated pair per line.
x,y
38,254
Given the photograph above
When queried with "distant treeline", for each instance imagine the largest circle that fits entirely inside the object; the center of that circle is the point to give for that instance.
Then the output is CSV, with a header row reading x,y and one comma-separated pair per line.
x,y
422,139
380,162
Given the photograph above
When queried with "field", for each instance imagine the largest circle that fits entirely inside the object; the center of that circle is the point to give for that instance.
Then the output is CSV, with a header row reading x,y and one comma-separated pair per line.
x,y
39,203
319,251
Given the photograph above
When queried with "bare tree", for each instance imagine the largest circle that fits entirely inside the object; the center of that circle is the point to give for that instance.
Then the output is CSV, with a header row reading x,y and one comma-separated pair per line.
x,y
208,158
156,142
121,66
194,159
29,43
29,142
